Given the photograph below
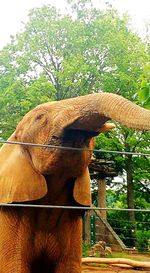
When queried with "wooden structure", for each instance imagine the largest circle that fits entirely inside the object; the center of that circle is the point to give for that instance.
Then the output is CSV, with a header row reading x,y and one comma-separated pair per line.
x,y
99,229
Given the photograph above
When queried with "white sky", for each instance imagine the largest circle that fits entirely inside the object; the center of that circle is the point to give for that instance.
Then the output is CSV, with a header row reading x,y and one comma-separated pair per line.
x,y
12,12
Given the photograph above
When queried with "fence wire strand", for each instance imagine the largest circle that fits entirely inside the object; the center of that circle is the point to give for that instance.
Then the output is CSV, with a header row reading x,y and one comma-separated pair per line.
x,y
69,207
72,148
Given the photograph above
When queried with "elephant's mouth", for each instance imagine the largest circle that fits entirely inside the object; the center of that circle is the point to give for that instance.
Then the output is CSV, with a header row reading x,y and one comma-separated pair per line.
x,y
55,159
76,138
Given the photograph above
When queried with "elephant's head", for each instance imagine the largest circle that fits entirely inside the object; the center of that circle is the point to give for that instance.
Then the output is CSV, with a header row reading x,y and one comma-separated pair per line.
x,y
72,122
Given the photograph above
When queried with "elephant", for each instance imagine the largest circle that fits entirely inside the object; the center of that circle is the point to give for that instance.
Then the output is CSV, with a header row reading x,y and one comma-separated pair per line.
x,y
37,240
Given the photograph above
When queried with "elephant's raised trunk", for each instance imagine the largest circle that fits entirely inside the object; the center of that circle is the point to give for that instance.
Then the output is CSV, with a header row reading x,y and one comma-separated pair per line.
x,y
95,109
122,110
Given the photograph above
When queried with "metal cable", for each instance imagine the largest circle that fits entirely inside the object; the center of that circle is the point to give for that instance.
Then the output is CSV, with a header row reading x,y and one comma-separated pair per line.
x,y
105,235
69,207
72,148
126,221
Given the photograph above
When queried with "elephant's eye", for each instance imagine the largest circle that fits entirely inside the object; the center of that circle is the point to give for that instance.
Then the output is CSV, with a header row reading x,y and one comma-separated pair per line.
x,y
39,116
41,119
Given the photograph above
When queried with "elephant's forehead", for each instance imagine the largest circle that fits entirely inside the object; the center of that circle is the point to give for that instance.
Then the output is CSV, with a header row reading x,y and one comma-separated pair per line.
x,y
54,105
55,109
52,113
49,107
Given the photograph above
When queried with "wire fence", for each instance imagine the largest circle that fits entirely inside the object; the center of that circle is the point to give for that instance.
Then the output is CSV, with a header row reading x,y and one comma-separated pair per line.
x,y
70,207
71,149
121,231
38,145
117,234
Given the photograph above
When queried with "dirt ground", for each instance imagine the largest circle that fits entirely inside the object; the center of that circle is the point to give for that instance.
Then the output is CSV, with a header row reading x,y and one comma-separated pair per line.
x,y
116,269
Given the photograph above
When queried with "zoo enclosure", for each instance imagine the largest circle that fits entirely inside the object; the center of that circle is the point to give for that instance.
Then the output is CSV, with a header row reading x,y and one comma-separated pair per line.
x,y
96,228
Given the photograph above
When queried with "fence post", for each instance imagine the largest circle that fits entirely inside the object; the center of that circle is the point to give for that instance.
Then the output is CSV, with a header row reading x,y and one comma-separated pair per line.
x,y
102,196
87,230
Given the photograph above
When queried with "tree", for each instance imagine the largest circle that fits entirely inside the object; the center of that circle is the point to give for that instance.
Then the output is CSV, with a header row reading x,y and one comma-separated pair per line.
x,y
54,44
93,51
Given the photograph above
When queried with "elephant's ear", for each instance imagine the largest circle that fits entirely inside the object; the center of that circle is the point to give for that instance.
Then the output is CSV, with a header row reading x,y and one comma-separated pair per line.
x,y
82,193
19,181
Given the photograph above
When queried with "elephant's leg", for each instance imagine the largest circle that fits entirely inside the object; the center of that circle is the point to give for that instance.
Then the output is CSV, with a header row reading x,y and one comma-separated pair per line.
x,y
14,249
12,259
13,267
71,244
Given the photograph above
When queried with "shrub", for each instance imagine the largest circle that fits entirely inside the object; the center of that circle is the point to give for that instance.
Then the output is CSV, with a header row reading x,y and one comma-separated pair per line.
x,y
142,240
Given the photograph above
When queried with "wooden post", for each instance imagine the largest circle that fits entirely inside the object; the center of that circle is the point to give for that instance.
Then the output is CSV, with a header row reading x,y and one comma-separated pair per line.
x,y
102,196
87,228
100,228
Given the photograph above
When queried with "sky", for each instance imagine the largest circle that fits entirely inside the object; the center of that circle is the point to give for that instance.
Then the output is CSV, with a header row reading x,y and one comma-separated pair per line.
x,y
14,12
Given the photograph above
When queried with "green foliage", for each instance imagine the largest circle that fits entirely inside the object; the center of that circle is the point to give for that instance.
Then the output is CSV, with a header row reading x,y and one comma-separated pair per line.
x,y
40,91
144,91
143,240
10,107
59,56
109,141
120,255
129,232
82,54
17,99
54,44
85,249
